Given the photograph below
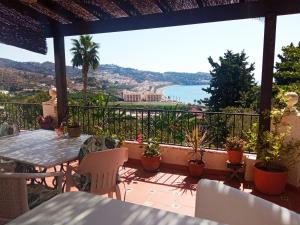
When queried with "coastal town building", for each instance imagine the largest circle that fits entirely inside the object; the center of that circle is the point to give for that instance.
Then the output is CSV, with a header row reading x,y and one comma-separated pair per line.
x,y
152,97
130,96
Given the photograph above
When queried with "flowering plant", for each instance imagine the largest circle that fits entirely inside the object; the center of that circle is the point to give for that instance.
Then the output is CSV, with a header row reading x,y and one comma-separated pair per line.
x,y
47,122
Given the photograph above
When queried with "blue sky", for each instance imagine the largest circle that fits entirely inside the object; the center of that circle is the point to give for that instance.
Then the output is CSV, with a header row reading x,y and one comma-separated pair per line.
x,y
181,49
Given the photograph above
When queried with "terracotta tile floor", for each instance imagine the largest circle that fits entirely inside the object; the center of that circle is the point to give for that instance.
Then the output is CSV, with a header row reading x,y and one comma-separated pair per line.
x,y
175,191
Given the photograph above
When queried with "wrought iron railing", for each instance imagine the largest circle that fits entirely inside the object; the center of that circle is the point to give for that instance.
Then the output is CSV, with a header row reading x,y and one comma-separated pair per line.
x,y
23,114
166,126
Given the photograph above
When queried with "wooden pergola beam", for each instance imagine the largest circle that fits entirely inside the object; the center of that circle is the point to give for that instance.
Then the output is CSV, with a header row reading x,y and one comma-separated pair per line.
x,y
127,7
163,5
60,77
200,3
59,10
95,10
185,17
28,11
267,72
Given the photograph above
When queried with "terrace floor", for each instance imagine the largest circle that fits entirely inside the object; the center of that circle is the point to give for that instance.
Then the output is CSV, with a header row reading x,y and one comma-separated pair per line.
x,y
175,191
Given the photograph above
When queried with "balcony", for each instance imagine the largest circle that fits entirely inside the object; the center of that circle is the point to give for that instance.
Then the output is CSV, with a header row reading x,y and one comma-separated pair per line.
x,y
171,188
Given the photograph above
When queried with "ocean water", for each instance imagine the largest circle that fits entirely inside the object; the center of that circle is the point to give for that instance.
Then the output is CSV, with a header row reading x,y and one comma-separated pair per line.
x,y
185,93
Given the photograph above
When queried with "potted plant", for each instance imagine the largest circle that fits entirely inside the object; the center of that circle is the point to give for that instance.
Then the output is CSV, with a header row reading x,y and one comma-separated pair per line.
x,y
275,156
47,122
74,129
235,149
196,140
151,156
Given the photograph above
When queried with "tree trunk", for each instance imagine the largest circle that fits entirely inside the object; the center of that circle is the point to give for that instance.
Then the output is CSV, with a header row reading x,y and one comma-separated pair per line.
x,y
85,70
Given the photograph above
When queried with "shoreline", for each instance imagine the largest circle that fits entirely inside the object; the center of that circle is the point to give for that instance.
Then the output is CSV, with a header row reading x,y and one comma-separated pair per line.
x,y
160,89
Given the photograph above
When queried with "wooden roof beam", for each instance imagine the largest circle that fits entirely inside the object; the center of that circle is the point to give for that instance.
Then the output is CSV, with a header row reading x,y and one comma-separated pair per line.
x,y
95,10
28,11
163,5
127,7
59,10
200,3
184,17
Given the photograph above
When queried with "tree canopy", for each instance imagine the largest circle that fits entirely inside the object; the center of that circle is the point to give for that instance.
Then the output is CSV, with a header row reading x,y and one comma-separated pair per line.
x,y
85,55
232,80
288,69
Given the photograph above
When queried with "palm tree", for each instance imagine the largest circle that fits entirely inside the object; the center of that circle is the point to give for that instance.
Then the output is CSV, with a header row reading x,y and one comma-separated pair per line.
x,y
85,55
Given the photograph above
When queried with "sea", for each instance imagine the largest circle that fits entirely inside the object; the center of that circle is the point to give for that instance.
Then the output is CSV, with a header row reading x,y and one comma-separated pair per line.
x,y
185,93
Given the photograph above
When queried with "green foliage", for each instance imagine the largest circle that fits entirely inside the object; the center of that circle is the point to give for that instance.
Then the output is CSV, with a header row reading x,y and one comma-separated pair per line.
x,y
196,139
271,146
38,97
288,69
234,144
4,97
152,148
280,90
232,79
85,55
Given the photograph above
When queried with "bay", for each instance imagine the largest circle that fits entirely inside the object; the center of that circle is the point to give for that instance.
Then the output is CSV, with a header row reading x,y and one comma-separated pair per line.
x,y
185,93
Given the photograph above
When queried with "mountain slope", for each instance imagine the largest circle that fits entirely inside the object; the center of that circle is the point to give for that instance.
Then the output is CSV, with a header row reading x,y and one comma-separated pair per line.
x,y
47,68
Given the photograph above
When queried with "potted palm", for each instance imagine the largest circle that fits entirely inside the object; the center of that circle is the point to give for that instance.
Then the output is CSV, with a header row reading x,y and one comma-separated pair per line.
x,y
275,156
151,156
235,149
196,140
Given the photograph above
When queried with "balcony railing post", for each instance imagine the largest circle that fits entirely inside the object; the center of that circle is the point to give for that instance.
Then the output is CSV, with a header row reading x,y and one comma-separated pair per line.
x,y
148,124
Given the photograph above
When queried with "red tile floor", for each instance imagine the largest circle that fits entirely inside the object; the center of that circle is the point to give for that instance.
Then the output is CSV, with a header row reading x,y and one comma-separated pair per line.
x,y
175,191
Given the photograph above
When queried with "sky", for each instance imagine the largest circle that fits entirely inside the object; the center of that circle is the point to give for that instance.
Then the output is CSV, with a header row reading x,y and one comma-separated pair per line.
x,y
179,49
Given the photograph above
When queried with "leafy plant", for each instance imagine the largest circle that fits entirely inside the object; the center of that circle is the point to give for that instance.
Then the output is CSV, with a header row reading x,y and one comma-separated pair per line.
x,y
234,144
72,122
196,139
152,149
271,146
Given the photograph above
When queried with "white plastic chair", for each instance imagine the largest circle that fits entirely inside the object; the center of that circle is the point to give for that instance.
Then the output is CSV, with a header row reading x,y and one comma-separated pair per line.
x,y
224,204
103,168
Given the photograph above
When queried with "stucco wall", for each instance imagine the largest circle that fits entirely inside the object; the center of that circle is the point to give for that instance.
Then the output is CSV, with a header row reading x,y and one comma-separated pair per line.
x,y
177,155
214,160
293,122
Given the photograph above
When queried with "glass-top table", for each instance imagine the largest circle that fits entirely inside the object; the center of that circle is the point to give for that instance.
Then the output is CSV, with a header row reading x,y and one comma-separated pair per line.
x,y
41,148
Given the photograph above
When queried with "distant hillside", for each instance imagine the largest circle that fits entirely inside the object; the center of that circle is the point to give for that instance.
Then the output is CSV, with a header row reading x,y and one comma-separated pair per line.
x,y
47,68
174,77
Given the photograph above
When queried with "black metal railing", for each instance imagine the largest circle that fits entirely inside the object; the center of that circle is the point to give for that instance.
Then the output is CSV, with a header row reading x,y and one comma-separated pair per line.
x,y
166,126
23,114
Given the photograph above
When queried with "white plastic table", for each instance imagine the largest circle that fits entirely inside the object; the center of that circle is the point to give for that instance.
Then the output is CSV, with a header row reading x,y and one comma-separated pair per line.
x,y
80,208
41,148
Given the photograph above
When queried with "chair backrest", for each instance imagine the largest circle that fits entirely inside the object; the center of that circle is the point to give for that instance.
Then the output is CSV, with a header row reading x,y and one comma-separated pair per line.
x,y
224,204
13,197
103,168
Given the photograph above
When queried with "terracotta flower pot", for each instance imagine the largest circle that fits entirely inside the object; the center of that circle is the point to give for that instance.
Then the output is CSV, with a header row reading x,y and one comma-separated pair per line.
x,y
270,182
235,157
150,164
196,169
74,131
